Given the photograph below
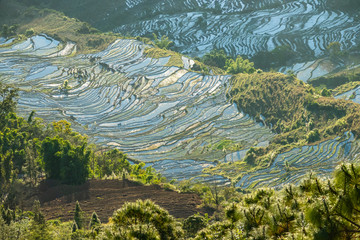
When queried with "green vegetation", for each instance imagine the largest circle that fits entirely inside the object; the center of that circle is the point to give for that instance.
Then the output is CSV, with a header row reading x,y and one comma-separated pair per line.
x,y
7,31
340,82
31,150
226,144
175,58
280,56
346,87
218,58
334,50
349,5
315,209
63,160
296,111
163,42
95,222
239,65
144,220
33,21
78,217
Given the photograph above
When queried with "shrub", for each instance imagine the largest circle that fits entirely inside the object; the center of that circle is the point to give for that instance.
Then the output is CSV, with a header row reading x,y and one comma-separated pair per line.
x,y
163,43
239,66
216,58
334,50
313,136
29,32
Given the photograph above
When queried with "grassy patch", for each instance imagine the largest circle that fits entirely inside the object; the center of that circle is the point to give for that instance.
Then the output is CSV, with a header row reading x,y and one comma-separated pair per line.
x,y
346,87
175,58
226,144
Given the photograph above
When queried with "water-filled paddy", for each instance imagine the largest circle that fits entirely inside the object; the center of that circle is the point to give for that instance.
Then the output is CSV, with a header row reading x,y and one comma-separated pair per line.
x,y
176,120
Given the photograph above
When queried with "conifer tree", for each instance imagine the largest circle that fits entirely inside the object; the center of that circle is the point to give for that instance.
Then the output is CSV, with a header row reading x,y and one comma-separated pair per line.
x,y
94,221
74,227
38,216
78,216
38,228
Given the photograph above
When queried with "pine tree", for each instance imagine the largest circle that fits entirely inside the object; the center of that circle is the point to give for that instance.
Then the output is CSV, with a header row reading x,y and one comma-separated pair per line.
x,y
94,221
38,216
38,228
74,227
132,218
78,216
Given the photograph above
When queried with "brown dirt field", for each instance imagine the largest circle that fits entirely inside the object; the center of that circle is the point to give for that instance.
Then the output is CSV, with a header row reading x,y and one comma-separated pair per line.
x,y
106,196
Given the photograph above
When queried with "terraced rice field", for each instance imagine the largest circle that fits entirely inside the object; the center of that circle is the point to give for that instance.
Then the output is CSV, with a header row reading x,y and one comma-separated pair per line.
x,y
320,159
353,95
244,27
120,98
178,121
311,69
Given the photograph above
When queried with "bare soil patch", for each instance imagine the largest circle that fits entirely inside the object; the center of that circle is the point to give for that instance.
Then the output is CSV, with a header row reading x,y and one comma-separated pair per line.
x,y
106,196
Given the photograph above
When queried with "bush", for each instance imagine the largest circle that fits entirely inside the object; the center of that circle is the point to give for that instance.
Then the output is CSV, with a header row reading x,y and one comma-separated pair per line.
x,y
239,66
29,32
281,55
86,29
326,93
193,224
163,43
95,42
7,31
216,58
334,50
313,136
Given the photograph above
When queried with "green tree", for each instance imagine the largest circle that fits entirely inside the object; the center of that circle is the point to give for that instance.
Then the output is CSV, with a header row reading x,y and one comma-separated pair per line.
x,y
94,221
313,136
38,216
232,214
335,213
78,216
144,220
32,166
7,31
38,228
239,65
8,96
163,42
6,168
74,227
112,161
65,162
279,56
4,30
193,224
215,58
334,50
